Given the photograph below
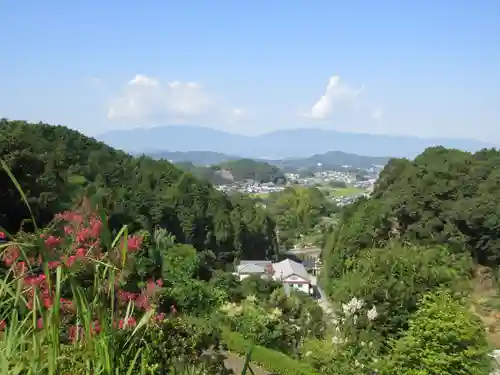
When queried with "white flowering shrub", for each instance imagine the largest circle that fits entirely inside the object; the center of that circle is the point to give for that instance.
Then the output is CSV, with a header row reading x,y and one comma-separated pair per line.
x,y
280,323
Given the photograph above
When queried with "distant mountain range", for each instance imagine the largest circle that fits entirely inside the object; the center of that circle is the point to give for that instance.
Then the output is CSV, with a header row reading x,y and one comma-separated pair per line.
x,y
329,160
297,143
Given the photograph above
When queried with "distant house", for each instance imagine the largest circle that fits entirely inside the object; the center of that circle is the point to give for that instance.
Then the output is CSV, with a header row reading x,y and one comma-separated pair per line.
x,y
262,268
290,273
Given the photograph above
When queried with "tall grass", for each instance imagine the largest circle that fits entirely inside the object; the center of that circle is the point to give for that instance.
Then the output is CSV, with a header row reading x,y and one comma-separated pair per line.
x,y
42,332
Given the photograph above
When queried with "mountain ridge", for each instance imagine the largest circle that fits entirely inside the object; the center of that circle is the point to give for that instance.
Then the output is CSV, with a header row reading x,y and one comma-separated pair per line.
x,y
279,144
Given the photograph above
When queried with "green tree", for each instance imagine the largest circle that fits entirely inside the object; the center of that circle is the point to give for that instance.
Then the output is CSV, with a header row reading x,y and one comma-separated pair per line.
x,y
444,337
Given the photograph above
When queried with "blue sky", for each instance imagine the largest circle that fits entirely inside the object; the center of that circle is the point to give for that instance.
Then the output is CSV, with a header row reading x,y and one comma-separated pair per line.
x,y
426,68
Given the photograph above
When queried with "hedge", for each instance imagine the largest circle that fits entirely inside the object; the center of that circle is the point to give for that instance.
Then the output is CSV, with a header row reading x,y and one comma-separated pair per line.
x,y
268,359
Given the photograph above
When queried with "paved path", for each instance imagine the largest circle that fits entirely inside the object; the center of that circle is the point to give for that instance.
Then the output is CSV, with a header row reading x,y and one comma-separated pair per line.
x,y
323,299
236,364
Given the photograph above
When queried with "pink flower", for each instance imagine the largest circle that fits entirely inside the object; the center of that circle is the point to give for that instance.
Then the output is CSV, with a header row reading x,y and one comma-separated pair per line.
x,y
39,323
3,236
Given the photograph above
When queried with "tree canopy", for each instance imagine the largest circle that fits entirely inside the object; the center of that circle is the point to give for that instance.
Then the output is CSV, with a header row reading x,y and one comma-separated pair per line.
x,y
55,166
444,196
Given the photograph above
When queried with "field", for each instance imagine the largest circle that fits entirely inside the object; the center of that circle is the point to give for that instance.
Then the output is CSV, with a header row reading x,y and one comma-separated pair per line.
x,y
342,192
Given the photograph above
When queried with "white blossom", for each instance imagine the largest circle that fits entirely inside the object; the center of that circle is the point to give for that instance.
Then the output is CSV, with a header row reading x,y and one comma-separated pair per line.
x,y
372,313
352,306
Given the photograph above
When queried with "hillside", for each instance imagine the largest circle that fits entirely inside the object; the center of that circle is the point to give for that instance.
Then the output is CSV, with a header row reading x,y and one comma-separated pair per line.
x,y
199,158
331,160
55,166
444,196
292,143
235,170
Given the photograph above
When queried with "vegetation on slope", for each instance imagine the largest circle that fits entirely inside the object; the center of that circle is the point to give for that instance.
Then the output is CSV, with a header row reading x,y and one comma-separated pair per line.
x,y
54,164
300,213
399,264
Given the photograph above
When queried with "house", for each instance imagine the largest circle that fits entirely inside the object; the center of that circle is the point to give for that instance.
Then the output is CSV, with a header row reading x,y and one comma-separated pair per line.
x,y
292,274
262,268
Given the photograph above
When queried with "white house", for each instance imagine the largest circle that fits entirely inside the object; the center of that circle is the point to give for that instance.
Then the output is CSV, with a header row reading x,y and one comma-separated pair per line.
x,y
262,268
292,274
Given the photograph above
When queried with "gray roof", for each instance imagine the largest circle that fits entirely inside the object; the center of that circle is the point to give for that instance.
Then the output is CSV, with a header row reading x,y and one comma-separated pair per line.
x,y
262,263
288,267
251,268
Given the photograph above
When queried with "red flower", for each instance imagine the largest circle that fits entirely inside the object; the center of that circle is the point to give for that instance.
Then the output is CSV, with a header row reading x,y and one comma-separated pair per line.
x,y
81,252
21,268
3,236
70,261
47,303
10,255
159,283
132,243
127,323
39,323
3,325
159,317
54,264
52,241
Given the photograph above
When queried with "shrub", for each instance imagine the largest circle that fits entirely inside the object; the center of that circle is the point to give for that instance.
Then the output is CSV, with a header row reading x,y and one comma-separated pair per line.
x,y
270,360
444,337
394,279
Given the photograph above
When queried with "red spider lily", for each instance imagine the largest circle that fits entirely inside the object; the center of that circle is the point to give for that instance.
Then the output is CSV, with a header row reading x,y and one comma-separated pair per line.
x,y
159,317
127,323
3,325
133,243
52,241
21,268
3,236
34,280
81,252
70,261
53,264
10,255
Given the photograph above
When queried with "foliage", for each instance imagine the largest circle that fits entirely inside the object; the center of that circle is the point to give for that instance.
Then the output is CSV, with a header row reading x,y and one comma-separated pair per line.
x,y
297,211
71,302
444,337
442,197
55,166
258,171
271,360
394,279
281,323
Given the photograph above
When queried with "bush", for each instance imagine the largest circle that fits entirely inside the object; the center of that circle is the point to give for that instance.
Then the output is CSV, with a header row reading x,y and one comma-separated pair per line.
x,y
270,360
393,280
444,337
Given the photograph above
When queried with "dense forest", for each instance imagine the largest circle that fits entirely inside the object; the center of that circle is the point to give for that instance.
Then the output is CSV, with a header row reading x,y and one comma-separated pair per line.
x,y
445,196
54,164
235,170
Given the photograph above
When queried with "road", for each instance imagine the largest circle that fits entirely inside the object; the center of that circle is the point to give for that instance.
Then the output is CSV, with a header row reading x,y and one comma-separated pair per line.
x,y
323,301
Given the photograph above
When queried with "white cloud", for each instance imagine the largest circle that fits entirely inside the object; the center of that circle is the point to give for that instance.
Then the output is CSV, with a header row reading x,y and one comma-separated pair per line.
x,y
377,114
337,96
146,98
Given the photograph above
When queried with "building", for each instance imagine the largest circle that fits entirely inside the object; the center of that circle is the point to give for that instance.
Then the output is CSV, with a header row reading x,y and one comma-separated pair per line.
x,y
262,268
291,274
